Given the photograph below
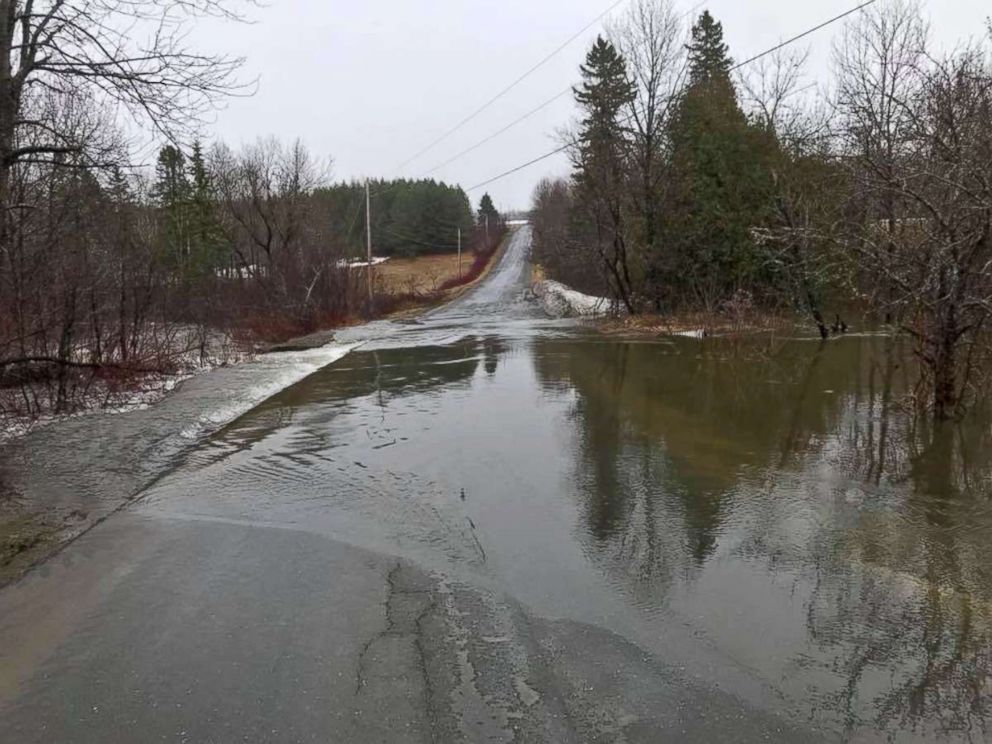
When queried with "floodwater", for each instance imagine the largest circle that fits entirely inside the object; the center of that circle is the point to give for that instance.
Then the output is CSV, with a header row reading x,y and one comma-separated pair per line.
x,y
763,513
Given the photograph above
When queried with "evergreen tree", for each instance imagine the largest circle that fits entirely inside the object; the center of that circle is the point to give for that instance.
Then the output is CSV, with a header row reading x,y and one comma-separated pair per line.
x,y
599,163
119,190
605,90
173,192
488,210
720,184
202,187
172,182
208,249
408,217
708,54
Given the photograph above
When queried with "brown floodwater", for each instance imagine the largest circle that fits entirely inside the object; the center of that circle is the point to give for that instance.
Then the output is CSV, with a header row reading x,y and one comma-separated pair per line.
x,y
766,514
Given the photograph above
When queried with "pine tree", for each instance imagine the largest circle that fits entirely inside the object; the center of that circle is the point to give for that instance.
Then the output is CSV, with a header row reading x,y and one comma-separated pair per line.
x,y
207,238
604,92
720,182
708,54
173,192
487,210
171,182
599,163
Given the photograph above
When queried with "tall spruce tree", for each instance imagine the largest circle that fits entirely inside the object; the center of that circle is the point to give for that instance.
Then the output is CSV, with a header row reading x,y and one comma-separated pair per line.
x,y
599,163
720,183
708,54
173,192
208,247
487,211
604,92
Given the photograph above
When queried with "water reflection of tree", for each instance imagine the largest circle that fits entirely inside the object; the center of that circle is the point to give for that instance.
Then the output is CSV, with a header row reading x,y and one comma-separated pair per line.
x,y
665,432
901,603
492,348
908,593
894,565
618,469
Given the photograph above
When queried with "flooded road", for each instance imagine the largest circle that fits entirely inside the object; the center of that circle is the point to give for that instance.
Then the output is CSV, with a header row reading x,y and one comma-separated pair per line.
x,y
487,526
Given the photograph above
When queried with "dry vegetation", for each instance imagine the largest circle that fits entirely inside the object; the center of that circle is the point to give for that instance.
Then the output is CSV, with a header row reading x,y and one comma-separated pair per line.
x,y
703,323
420,275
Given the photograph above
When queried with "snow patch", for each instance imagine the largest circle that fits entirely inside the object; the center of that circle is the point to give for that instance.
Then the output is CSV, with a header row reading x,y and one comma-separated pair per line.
x,y
360,263
102,400
560,301
286,368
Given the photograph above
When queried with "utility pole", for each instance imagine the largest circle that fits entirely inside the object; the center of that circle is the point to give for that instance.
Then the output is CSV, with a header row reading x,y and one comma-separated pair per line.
x,y
459,253
368,236
487,232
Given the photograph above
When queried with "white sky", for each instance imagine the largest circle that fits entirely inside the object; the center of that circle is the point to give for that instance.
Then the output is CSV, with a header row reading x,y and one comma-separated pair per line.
x,y
371,83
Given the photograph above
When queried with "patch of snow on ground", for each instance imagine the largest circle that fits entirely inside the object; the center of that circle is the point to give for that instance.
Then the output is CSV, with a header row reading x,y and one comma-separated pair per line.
x,y
560,301
146,392
360,263
277,371
272,372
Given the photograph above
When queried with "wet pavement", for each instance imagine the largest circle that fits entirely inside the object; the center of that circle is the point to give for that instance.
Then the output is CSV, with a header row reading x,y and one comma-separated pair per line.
x,y
483,525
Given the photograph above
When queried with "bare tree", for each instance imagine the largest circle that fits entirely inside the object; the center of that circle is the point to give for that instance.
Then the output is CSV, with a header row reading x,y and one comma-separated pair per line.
x,y
555,247
129,52
283,240
941,273
265,190
877,60
81,284
771,92
807,187
652,39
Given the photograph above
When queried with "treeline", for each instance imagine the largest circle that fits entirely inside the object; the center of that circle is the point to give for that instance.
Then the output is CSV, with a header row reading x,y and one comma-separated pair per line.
x,y
409,217
698,185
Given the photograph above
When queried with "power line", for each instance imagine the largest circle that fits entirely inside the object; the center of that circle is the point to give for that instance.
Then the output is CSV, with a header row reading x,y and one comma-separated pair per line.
x,y
755,58
511,86
803,35
494,135
530,113
354,217
521,167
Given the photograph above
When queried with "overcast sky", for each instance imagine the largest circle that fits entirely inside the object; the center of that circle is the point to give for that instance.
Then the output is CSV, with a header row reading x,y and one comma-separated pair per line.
x,y
371,83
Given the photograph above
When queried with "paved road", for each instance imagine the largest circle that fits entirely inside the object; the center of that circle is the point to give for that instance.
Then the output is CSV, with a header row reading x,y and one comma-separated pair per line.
x,y
222,608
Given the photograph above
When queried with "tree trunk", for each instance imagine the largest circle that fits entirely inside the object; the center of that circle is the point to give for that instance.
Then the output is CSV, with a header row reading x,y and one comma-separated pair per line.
x,y
944,359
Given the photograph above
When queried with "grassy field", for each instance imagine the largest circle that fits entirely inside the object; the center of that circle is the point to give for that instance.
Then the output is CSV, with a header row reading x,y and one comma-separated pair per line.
x,y
420,275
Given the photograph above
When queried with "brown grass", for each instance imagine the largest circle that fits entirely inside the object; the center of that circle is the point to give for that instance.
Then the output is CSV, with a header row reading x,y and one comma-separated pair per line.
x,y
711,323
422,275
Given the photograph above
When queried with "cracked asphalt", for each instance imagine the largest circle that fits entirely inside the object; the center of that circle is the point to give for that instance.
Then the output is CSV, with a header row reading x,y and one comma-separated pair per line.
x,y
205,613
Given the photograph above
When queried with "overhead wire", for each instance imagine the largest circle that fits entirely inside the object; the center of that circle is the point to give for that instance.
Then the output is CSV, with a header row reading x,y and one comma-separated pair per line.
x,y
494,135
529,114
803,35
511,86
